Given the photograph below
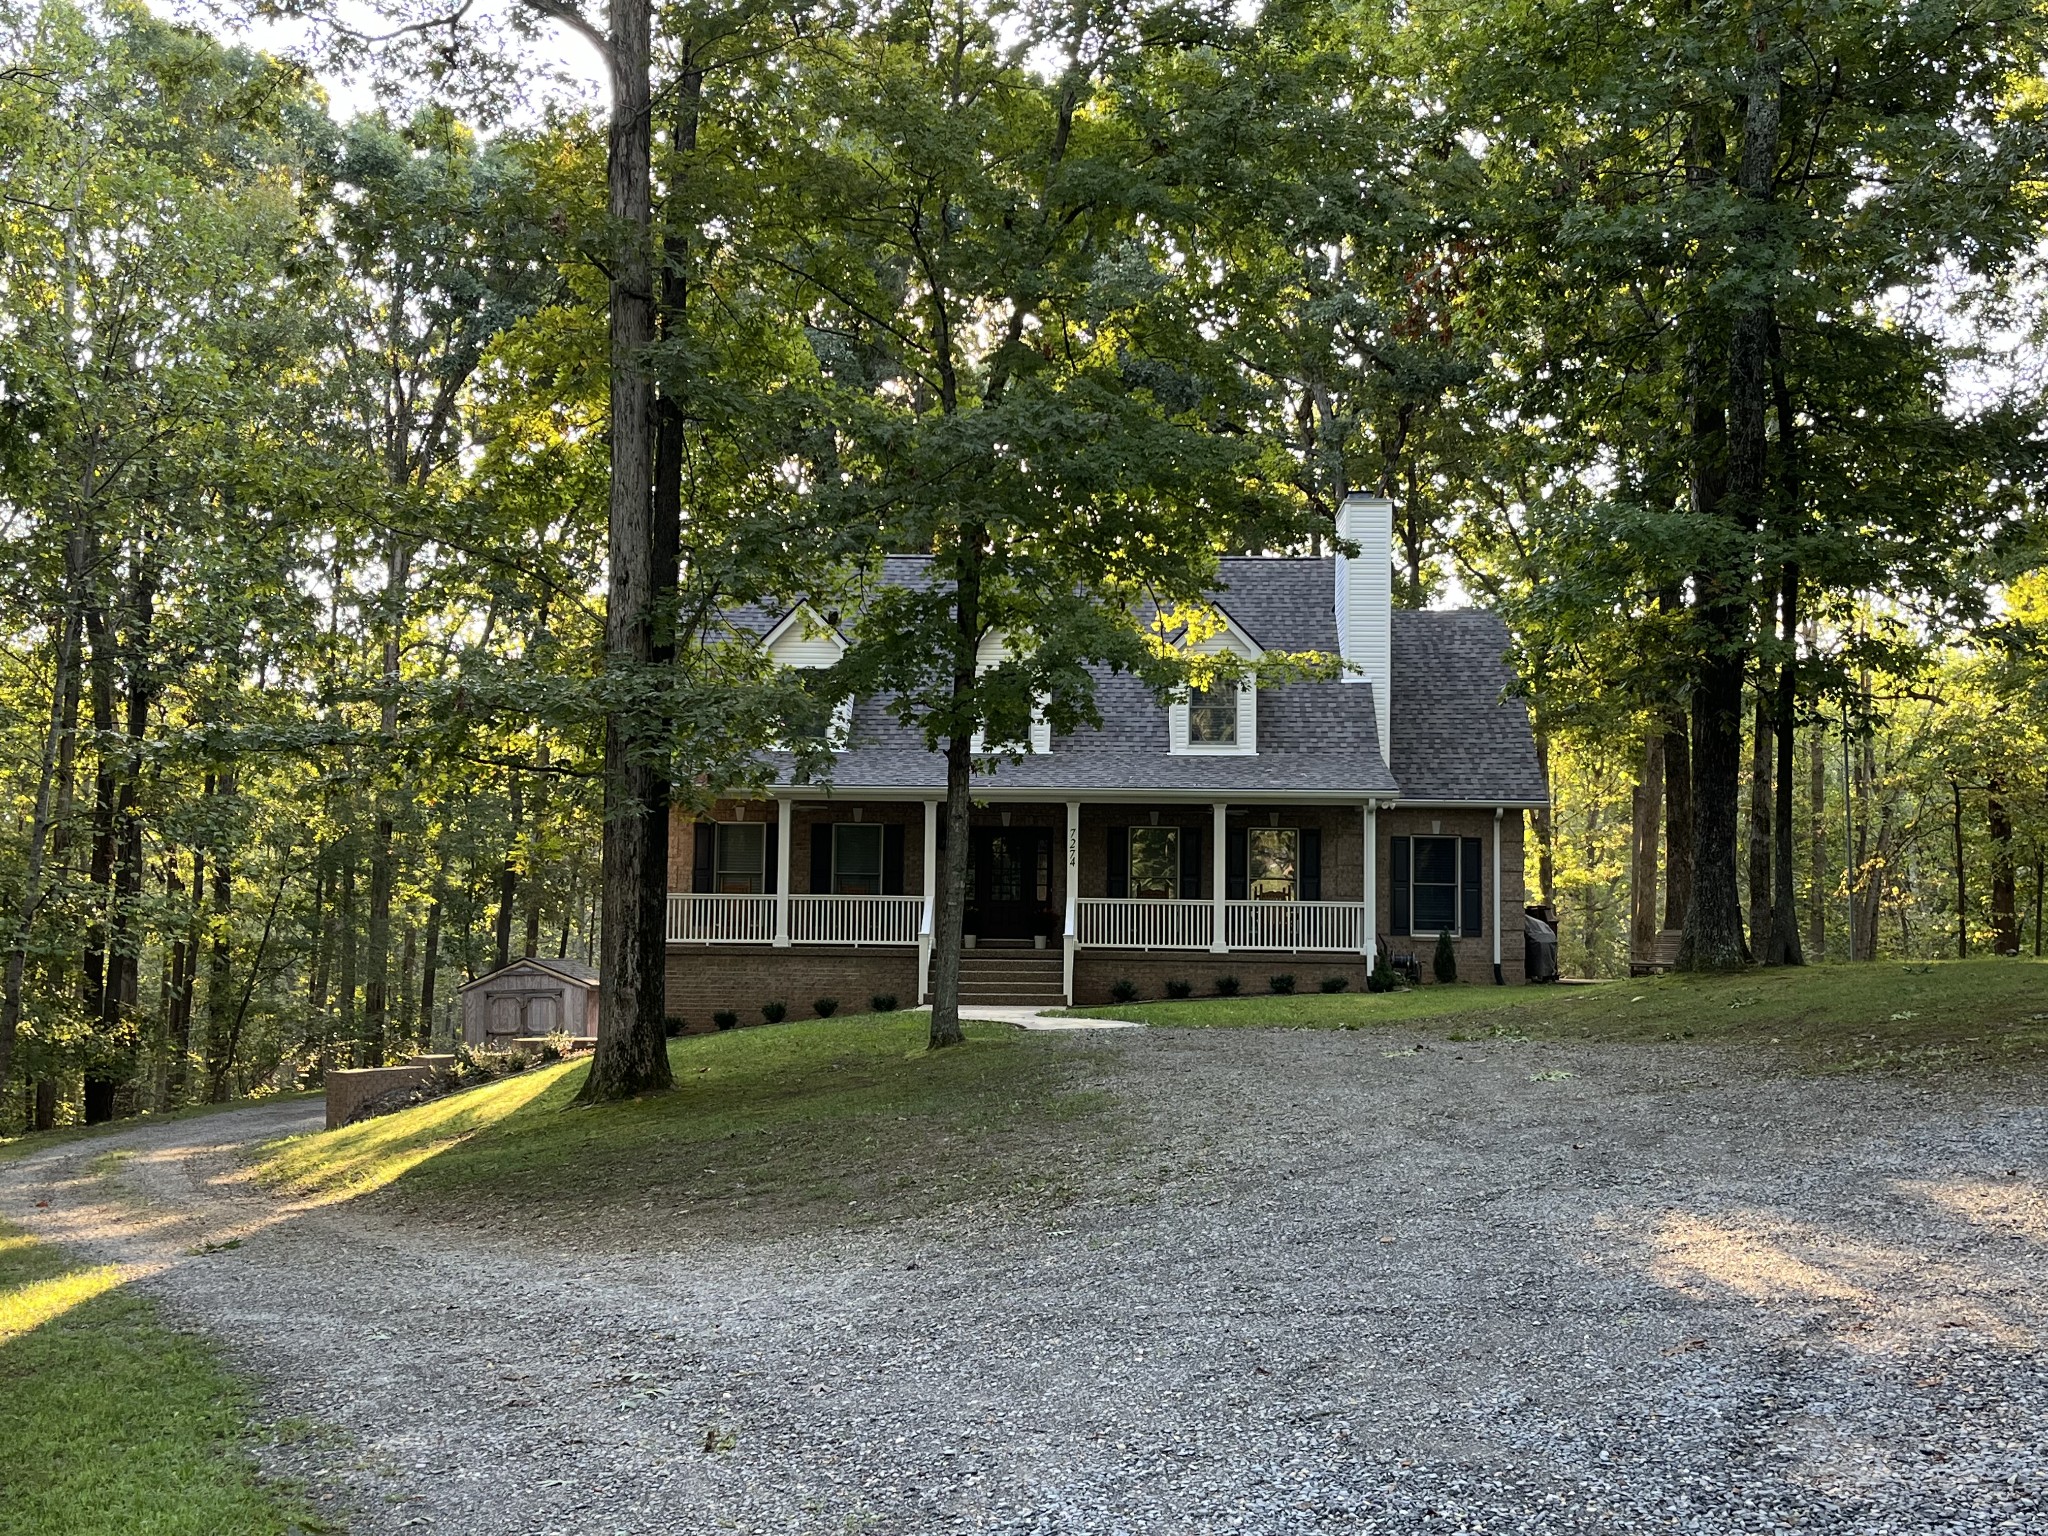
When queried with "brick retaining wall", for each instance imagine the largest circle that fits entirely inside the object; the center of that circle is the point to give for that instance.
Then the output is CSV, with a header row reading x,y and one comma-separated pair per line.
x,y
350,1088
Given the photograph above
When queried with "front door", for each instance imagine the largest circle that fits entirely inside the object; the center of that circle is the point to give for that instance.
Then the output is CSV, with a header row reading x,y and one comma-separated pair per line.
x,y
1011,880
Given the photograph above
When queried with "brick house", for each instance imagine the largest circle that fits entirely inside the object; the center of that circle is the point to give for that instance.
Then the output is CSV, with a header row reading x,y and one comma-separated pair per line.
x,y
1251,832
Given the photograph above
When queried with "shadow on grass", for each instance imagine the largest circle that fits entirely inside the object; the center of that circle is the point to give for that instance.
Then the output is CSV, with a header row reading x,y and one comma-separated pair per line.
x,y
824,1122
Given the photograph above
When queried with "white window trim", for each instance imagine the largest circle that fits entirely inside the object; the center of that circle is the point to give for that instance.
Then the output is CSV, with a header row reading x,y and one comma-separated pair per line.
x,y
1247,743
804,621
1232,640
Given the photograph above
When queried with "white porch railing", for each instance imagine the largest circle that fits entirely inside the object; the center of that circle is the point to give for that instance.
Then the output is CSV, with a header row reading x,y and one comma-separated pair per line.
x,y
720,919
854,919
1334,926
1113,922
1118,922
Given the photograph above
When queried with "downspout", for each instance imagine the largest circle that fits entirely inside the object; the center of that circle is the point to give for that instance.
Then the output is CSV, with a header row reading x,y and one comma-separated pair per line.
x,y
1498,979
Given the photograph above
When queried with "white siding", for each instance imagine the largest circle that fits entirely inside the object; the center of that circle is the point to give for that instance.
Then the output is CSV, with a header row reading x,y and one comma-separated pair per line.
x,y
1365,605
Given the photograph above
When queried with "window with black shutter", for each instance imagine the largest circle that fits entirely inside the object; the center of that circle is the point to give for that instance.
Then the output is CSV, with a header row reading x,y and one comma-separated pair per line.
x,y
821,858
1190,863
703,858
1399,861
1117,867
892,859
1311,864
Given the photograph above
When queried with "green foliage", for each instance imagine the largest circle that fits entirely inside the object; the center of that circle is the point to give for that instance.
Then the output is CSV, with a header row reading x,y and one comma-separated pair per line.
x,y
882,1002
1227,986
1444,963
1282,985
1180,986
825,1007
774,1012
1124,990
1335,983
1381,977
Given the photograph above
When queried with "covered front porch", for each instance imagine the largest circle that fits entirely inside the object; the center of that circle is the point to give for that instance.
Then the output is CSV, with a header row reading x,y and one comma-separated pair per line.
x,y
1087,880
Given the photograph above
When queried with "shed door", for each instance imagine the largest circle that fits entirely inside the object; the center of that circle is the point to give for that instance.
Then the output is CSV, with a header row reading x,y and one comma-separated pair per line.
x,y
543,1014
504,1023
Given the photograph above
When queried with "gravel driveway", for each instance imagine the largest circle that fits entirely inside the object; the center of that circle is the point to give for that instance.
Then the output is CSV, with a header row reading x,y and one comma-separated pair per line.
x,y
1359,1283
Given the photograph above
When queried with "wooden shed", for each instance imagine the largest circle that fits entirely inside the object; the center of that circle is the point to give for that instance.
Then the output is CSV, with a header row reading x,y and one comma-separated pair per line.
x,y
529,998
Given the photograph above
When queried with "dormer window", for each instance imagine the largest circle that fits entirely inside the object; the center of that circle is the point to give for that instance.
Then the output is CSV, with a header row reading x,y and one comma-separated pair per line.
x,y
806,642
1223,719
1212,717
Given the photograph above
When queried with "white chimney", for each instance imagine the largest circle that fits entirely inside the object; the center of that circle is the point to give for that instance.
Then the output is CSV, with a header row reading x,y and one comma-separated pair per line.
x,y
1365,605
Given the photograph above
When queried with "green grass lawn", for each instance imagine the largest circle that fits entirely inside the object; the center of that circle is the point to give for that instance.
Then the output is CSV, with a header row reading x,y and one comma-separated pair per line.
x,y
1827,1017
112,1424
829,1121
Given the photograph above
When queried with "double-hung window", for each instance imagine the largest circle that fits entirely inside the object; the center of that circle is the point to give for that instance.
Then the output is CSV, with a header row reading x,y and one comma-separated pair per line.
x,y
1155,862
1212,717
1272,865
741,859
1435,885
857,859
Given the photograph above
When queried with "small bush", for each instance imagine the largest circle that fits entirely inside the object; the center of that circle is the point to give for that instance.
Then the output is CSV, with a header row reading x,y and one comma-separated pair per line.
x,y
673,1025
726,1018
1445,962
1282,985
775,1013
1335,983
1179,988
1124,990
825,1007
883,1002
1381,978
1226,986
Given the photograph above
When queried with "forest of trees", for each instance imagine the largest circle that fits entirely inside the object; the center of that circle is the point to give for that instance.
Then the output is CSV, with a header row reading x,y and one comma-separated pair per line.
x,y
371,485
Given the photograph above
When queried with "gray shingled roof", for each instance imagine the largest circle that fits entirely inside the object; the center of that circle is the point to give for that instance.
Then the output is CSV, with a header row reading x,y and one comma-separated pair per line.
x,y
1457,736
1454,737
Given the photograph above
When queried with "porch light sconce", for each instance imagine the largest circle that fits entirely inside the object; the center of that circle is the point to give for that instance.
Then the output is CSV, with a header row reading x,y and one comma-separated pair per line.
x,y
856,812
1155,818
1006,818
1435,827
1276,819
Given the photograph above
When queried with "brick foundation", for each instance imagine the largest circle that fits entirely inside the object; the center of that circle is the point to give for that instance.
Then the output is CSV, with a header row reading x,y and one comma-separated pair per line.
x,y
350,1088
705,978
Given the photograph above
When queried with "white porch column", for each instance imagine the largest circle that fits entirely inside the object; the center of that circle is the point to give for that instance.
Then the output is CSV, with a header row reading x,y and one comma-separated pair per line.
x,y
1371,946
1073,924
1220,814
931,901
1498,979
784,815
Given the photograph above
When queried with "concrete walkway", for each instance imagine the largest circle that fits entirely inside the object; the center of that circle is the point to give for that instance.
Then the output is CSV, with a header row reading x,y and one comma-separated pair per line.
x,y
1032,1018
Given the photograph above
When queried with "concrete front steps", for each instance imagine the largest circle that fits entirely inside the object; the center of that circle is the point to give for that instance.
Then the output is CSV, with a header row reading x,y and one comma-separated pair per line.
x,y
1012,978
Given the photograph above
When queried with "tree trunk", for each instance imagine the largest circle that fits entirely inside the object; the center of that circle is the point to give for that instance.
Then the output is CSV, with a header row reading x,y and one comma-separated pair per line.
x,y
508,871
949,921
345,964
1761,796
1962,894
1872,863
1735,494
220,1015
632,1050
1817,844
1677,819
536,851
1784,945
377,941
2005,921
1540,821
41,819
430,966
1647,804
